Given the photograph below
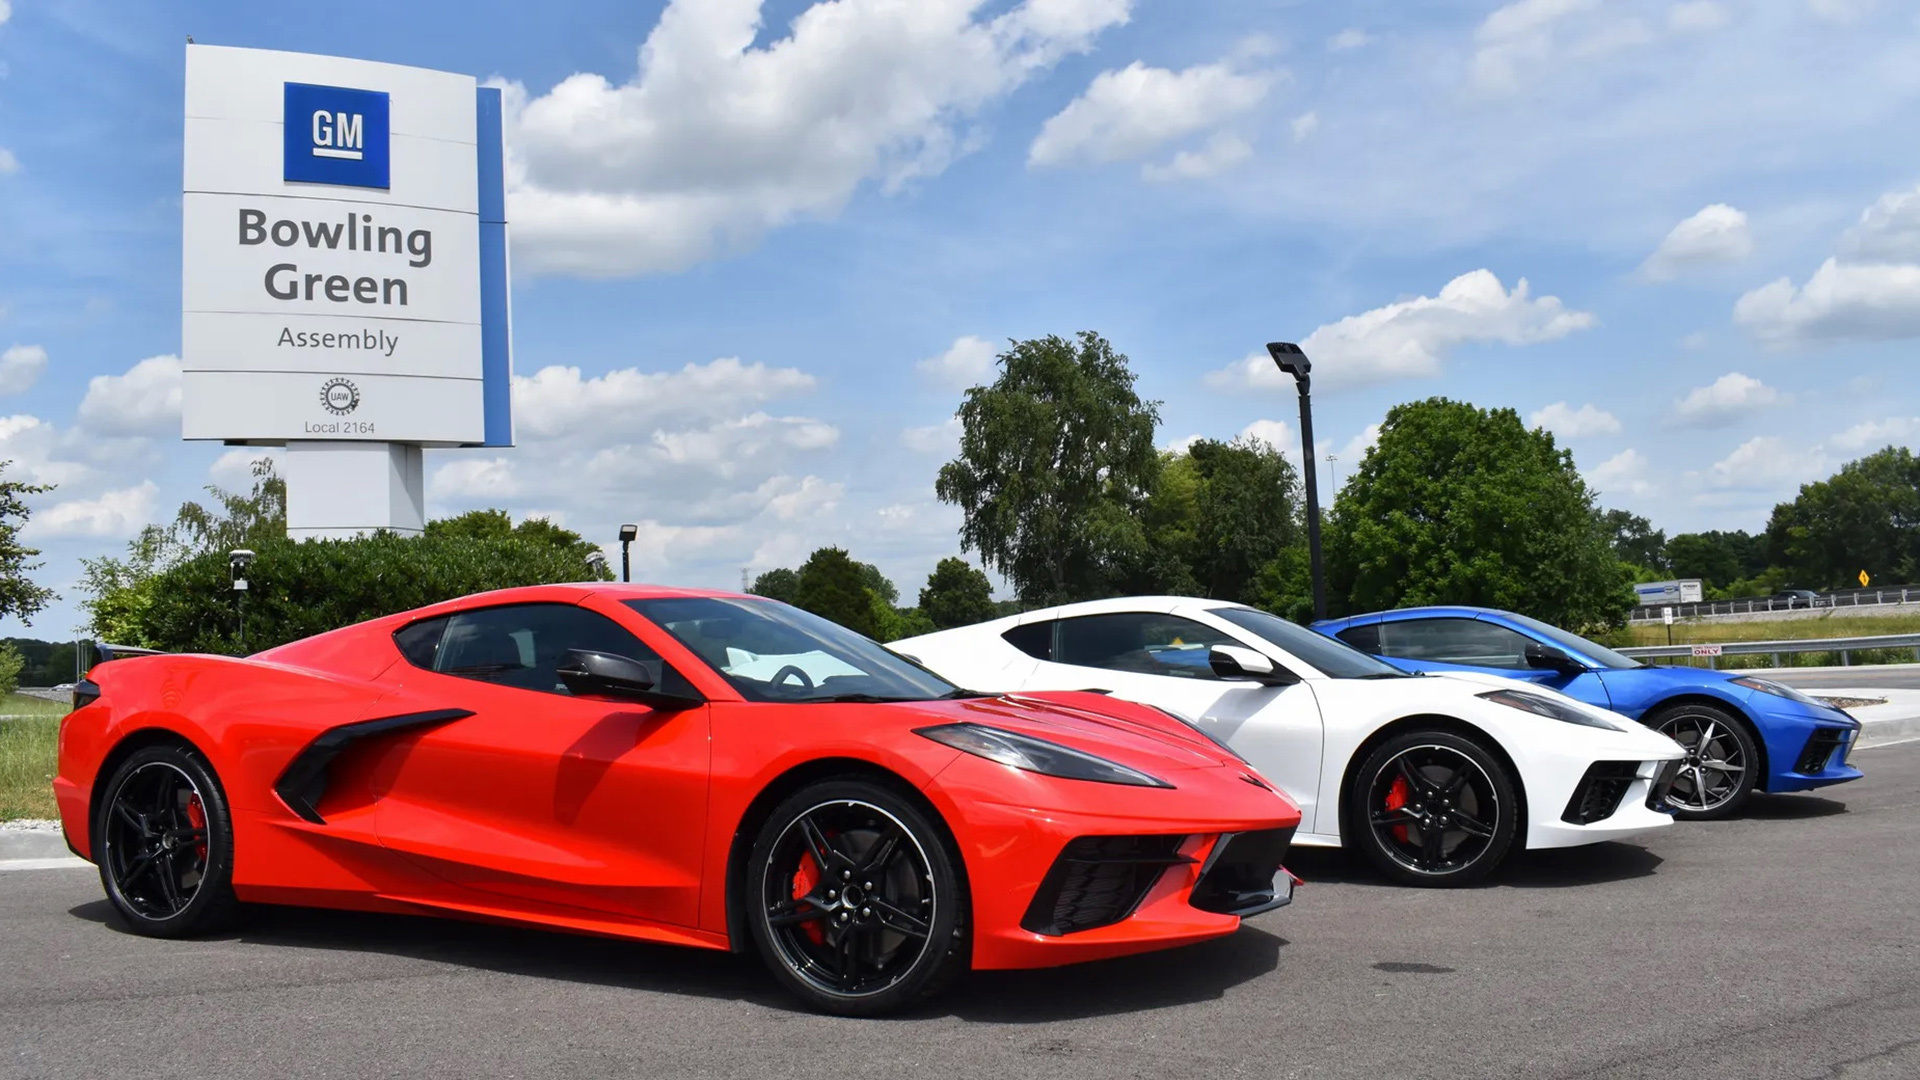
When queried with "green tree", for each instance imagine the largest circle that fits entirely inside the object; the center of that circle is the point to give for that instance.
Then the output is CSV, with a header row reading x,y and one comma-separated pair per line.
x,y
878,583
19,596
779,584
10,664
833,587
493,525
1634,539
1463,505
1246,512
1864,517
956,595
1056,459
1717,558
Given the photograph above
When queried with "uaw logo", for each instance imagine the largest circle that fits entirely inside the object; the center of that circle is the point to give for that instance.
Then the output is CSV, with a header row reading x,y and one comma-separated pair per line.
x,y
336,135
339,396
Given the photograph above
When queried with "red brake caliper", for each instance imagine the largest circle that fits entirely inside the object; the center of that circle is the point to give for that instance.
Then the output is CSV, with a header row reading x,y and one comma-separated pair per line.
x,y
805,877
1397,798
197,817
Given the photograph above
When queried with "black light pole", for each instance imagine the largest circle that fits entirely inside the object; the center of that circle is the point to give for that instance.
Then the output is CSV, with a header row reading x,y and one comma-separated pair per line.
x,y
627,533
237,563
1295,363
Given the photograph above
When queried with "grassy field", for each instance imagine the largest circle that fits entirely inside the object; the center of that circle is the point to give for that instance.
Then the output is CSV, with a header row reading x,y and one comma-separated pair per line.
x,y
27,756
1721,632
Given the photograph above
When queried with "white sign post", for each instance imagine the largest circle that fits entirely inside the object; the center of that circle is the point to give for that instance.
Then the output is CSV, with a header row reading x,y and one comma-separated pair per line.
x,y
344,278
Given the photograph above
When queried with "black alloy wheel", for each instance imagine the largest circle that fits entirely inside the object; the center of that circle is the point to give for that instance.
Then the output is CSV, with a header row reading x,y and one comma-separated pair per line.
x,y
857,902
1432,809
163,839
1717,776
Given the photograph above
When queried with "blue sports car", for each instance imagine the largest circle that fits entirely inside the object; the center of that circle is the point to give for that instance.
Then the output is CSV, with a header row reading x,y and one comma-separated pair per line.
x,y
1740,732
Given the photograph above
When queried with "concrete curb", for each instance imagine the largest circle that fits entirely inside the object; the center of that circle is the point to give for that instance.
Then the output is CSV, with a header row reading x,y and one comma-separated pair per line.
x,y
35,845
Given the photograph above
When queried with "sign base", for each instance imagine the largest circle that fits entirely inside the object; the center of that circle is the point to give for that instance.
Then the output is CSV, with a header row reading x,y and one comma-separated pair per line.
x,y
337,490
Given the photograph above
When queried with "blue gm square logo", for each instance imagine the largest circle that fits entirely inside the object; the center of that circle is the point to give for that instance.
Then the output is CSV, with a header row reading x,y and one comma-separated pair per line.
x,y
336,136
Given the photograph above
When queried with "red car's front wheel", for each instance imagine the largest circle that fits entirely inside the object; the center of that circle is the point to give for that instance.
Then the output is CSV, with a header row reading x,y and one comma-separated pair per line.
x,y
163,839
858,905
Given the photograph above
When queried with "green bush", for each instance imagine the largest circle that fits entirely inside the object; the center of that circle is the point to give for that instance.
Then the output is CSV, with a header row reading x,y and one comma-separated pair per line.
x,y
301,588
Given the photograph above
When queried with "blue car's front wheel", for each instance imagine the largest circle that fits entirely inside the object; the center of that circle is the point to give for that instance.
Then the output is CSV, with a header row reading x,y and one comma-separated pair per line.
x,y
1721,765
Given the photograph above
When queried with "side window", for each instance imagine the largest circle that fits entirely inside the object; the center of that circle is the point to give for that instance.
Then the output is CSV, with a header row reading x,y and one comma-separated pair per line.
x,y
420,642
520,645
1140,642
1365,638
1035,639
1455,641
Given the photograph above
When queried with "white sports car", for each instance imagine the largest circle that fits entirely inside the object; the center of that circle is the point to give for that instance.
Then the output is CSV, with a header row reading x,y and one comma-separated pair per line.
x,y
1434,777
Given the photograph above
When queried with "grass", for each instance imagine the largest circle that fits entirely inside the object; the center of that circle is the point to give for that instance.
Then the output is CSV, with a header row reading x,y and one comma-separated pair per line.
x,y
1720,631
28,705
27,749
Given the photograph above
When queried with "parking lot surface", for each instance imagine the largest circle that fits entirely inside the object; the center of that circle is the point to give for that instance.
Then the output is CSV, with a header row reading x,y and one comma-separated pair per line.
x,y
1782,944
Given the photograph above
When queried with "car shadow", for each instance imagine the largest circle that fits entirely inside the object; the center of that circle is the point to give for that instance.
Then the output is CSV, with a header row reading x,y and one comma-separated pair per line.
x,y
1196,973
1765,807
1554,868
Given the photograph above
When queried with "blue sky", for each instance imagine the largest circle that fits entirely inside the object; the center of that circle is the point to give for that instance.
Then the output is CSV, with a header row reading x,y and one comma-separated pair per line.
x,y
760,248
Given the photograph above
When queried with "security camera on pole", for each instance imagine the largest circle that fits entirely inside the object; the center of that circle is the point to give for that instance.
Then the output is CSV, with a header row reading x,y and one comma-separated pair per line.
x,y
1295,363
237,562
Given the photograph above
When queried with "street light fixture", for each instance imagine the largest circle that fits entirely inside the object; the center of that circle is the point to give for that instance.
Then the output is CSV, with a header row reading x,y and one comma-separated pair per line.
x,y
627,533
237,562
1291,360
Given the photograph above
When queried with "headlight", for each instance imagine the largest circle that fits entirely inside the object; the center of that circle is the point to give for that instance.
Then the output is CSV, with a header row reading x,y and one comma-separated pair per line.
x,y
1036,755
1768,686
1202,729
1547,707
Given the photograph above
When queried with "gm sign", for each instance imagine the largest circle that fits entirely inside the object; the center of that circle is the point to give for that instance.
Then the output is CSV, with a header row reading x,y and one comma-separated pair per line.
x,y
335,135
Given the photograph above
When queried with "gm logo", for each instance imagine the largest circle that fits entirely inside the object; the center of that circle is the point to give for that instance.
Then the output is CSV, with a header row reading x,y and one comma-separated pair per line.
x,y
335,135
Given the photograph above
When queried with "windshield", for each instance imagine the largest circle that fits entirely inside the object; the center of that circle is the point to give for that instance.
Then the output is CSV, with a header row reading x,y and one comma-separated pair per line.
x,y
769,651
1599,654
1335,659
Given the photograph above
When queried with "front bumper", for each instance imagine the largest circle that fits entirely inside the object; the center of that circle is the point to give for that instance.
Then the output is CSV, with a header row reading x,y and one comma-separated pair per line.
x,y
1807,747
1062,872
1610,800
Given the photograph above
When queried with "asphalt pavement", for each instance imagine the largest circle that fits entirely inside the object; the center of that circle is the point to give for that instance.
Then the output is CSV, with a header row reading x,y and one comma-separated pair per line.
x,y
1783,944
1869,676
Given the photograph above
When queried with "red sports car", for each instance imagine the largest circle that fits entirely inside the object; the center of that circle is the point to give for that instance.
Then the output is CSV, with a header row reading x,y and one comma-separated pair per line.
x,y
680,766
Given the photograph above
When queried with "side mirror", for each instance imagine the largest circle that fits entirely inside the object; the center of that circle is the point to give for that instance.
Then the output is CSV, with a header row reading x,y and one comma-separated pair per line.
x,y
1239,662
1552,659
597,674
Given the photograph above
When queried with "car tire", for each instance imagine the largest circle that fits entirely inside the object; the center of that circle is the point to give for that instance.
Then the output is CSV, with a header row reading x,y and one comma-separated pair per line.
x,y
163,840
891,931
1432,809
1711,784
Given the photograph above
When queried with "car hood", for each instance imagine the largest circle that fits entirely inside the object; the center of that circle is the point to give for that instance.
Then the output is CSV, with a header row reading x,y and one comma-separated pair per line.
x,y
1138,736
1475,683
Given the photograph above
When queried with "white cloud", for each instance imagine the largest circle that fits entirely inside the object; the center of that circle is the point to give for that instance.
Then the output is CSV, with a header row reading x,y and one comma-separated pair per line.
x,y
1767,462
1275,433
143,402
1350,38
942,439
114,514
1220,153
20,368
1625,473
1841,11
1717,234
1869,290
1697,15
8,163
475,478
1182,445
233,470
715,140
1727,397
1411,338
1356,449
812,498
34,447
1570,423
967,362
1518,35
1874,434
6,10
1127,114
557,402
1304,125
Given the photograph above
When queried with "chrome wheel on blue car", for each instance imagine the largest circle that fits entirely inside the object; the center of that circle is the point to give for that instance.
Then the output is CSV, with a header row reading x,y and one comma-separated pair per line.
x,y
1717,775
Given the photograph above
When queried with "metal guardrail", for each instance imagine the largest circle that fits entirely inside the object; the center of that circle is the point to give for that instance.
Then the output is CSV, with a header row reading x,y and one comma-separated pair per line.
x,y
1845,646
1840,598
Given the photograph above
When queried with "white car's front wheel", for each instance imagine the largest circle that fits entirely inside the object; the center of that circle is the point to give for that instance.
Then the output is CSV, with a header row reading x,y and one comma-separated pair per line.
x,y
1432,809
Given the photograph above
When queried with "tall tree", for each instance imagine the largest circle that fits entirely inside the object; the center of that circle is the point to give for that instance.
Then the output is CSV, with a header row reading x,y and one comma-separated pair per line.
x,y
832,586
879,583
1056,459
779,584
1864,517
19,596
1634,539
498,524
1463,505
1246,512
1717,558
956,595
